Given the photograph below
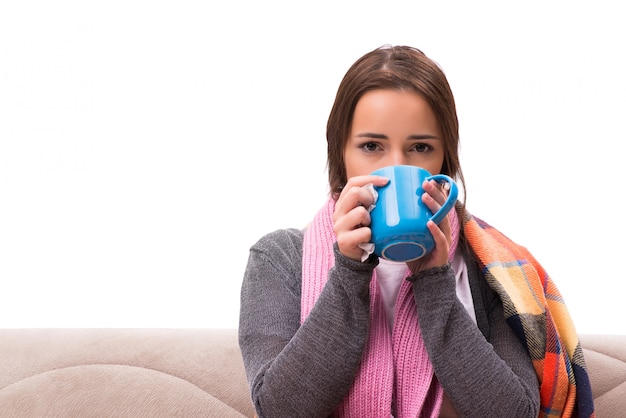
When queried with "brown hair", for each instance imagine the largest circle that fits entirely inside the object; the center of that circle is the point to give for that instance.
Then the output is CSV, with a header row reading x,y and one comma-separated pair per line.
x,y
392,67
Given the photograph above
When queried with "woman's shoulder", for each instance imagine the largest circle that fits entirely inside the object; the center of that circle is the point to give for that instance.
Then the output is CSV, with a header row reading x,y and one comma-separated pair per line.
x,y
287,240
282,250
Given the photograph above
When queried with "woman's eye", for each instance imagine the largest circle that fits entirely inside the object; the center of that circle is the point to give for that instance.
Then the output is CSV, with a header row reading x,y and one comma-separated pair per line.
x,y
370,146
422,147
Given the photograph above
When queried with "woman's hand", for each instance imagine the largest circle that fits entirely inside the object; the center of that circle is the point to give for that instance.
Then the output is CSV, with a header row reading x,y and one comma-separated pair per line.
x,y
434,197
351,218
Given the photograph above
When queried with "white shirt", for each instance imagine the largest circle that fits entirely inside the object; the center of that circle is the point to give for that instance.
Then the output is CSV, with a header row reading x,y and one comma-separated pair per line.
x,y
390,274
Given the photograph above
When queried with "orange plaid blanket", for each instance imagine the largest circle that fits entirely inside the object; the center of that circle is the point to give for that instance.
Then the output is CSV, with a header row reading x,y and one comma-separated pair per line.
x,y
535,309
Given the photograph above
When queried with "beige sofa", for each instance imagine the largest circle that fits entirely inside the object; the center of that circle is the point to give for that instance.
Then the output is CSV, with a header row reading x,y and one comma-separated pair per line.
x,y
181,373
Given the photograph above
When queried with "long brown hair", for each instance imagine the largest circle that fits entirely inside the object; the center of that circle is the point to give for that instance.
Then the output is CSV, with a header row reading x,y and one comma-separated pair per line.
x,y
392,67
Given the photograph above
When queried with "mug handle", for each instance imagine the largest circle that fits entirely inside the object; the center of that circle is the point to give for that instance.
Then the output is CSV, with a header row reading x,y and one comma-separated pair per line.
x,y
449,203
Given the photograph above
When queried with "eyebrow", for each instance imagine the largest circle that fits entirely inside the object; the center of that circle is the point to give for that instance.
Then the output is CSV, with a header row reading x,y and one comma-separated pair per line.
x,y
381,136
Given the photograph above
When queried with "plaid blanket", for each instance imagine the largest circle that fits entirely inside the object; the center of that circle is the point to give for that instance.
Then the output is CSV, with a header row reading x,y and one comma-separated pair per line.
x,y
535,309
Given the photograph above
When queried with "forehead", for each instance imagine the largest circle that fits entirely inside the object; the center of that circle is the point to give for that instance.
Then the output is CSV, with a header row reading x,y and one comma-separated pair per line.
x,y
394,110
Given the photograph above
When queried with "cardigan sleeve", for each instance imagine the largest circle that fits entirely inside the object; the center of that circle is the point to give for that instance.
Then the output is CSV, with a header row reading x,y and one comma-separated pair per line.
x,y
483,375
300,370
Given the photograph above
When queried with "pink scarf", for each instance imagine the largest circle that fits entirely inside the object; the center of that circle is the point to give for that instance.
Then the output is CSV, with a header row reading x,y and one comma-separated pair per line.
x,y
398,359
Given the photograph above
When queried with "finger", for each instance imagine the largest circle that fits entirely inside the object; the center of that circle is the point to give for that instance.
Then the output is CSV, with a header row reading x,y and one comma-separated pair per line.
x,y
348,242
360,196
360,181
445,227
436,191
431,203
355,194
354,219
351,198
442,245
441,241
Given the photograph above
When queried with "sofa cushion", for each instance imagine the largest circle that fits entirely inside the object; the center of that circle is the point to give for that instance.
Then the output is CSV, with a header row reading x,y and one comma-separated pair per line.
x,y
105,390
605,356
101,372
182,373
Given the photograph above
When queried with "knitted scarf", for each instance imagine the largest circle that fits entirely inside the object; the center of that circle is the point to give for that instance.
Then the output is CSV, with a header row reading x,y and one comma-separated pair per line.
x,y
533,306
535,310
389,360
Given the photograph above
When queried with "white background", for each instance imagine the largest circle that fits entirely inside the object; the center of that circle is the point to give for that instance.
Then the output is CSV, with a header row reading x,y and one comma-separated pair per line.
x,y
145,146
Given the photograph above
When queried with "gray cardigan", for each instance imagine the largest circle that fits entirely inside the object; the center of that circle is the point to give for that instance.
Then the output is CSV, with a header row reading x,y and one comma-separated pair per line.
x,y
305,370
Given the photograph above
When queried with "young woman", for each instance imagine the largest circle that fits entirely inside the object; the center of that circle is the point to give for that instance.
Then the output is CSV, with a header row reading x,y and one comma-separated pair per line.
x,y
475,328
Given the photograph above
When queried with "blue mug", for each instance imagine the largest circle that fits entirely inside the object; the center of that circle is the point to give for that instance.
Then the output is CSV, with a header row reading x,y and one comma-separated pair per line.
x,y
399,218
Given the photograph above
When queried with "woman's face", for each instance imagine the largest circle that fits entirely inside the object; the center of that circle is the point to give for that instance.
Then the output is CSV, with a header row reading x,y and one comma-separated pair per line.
x,y
393,127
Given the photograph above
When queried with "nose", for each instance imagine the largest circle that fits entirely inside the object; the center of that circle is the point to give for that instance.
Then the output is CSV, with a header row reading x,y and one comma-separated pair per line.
x,y
398,158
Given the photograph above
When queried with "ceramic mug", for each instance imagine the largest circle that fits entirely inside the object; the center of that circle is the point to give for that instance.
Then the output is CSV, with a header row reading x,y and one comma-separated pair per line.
x,y
399,218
